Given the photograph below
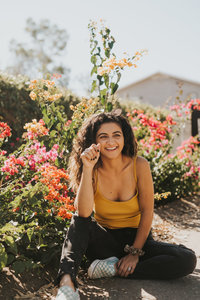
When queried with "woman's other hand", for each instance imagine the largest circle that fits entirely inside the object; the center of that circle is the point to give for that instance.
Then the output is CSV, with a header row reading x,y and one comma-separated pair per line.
x,y
91,155
126,265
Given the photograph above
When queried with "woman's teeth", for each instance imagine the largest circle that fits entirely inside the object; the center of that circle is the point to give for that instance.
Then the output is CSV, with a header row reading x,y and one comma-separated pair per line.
x,y
113,148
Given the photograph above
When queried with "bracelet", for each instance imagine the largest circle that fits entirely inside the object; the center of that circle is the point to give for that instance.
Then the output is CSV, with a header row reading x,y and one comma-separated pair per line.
x,y
133,251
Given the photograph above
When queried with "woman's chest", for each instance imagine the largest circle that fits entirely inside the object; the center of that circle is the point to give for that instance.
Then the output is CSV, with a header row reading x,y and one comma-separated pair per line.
x,y
118,188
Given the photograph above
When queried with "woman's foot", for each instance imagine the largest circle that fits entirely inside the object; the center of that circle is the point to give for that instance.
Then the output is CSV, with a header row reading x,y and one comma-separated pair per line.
x,y
103,268
67,290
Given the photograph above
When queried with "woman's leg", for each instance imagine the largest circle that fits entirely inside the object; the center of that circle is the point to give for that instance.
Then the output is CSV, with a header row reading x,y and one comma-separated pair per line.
x,y
164,261
161,260
85,236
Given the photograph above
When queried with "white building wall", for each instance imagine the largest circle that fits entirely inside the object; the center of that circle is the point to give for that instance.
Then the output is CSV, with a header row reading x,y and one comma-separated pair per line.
x,y
157,90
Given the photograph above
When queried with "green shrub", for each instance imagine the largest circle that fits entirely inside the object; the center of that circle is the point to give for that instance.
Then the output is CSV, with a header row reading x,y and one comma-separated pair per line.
x,y
16,107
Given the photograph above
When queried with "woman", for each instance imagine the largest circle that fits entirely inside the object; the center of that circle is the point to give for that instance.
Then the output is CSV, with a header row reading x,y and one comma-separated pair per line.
x,y
115,184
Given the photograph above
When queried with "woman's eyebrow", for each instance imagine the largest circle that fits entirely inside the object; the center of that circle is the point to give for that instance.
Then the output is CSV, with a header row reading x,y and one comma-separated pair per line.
x,y
104,133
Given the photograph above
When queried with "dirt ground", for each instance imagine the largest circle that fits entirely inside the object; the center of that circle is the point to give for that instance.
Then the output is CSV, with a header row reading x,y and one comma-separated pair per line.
x,y
176,222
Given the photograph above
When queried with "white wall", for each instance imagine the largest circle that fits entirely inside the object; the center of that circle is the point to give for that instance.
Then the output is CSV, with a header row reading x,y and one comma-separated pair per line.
x,y
158,89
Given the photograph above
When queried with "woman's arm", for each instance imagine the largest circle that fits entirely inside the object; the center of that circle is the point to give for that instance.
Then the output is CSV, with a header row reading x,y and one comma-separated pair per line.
x,y
84,201
146,201
127,264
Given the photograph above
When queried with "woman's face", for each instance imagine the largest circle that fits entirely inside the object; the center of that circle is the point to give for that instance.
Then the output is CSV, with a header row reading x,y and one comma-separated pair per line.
x,y
111,140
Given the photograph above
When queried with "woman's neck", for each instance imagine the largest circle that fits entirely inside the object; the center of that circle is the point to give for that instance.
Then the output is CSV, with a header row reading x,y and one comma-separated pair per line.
x,y
113,165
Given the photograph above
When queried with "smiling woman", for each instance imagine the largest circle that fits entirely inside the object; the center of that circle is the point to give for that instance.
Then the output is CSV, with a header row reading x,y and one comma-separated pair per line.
x,y
116,185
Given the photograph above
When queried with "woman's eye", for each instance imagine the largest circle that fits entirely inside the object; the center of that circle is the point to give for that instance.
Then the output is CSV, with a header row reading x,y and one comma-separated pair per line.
x,y
117,135
103,137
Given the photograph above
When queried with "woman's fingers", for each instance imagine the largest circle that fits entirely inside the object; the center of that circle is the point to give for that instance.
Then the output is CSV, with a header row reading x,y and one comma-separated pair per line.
x,y
92,153
124,267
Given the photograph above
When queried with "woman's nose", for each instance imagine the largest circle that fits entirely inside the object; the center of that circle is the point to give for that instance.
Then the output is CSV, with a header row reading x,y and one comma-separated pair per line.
x,y
110,140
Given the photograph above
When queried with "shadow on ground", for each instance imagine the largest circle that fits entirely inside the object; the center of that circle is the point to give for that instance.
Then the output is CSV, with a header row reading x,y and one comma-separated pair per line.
x,y
187,288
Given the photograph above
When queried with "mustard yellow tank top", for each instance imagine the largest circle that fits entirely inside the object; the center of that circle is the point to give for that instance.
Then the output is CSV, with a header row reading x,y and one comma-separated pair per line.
x,y
117,214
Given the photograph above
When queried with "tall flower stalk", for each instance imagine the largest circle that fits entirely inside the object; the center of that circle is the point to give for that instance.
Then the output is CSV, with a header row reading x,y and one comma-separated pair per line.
x,y
106,70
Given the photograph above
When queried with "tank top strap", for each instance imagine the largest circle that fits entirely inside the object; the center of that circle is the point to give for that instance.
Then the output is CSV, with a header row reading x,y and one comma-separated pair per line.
x,y
134,168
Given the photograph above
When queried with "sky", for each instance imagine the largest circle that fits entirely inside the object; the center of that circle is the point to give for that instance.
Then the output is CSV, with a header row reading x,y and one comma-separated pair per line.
x,y
169,29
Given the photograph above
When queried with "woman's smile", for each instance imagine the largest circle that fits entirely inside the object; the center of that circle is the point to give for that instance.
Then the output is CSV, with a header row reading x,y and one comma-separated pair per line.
x,y
111,149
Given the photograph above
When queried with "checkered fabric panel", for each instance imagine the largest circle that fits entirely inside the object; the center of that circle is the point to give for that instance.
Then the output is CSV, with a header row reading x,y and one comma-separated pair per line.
x,y
67,293
105,268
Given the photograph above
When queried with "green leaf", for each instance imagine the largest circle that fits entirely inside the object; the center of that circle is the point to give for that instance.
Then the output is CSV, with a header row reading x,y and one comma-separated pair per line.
x,y
118,77
99,77
109,106
34,190
94,70
107,30
16,202
103,100
30,232
106,80
19,267
93,59
11,258
103,92
3,257
58,126
60,118
107,52
46,120
53,133
94,85
114,87
11,244
110,44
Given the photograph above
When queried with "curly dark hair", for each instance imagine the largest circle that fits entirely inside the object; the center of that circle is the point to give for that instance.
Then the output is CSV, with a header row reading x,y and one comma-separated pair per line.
x,y
87,136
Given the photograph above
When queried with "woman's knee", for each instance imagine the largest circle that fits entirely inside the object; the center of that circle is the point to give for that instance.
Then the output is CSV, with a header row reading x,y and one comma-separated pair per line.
x,y
187,260
76,220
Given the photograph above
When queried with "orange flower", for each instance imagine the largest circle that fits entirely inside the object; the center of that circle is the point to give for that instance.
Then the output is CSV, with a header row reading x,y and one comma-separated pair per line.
x,y
15,209
55,179
33,95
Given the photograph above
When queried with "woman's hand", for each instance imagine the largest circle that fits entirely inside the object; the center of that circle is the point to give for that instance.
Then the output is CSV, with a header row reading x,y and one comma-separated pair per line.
x,y
126,265
91,155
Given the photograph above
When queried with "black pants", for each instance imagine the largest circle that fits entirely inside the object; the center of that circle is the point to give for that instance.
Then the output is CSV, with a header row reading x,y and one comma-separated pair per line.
x,y
86,236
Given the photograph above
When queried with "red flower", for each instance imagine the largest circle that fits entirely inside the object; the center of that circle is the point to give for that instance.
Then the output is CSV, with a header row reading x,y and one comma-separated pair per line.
x,y
5,130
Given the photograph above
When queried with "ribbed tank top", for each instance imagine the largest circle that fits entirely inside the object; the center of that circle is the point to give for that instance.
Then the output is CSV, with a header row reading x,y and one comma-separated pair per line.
x,y
117,214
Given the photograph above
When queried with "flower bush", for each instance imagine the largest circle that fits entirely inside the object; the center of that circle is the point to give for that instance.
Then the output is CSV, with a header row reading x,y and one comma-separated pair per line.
x,y
174,174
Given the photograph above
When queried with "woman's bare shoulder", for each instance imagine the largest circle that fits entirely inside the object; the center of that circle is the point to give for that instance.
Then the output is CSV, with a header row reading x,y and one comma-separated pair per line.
x,y
141,164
